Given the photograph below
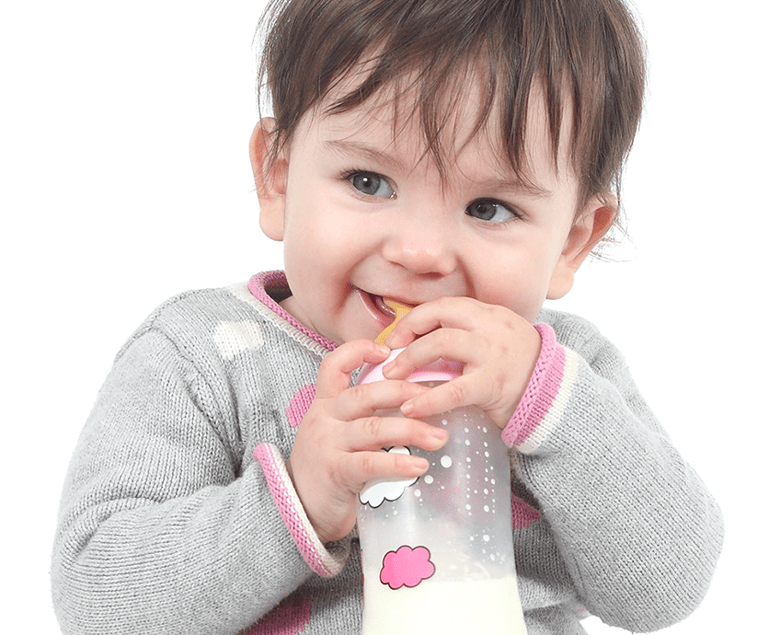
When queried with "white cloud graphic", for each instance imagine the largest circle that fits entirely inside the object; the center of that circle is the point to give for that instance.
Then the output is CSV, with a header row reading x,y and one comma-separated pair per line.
x,y
234,337
378,490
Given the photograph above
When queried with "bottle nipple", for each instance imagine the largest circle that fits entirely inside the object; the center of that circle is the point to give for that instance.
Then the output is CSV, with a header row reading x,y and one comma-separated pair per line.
x,y
401,310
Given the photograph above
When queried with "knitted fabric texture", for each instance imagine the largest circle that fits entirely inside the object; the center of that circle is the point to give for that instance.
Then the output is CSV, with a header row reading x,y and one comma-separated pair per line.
x,y
168,525
289,506
541,391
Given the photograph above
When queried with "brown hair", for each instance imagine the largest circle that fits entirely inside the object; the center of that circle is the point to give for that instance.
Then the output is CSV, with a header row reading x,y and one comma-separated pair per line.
x,y
588,53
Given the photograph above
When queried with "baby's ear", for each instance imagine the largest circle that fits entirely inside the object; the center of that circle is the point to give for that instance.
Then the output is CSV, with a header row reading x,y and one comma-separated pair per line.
x,y
270,177
589,228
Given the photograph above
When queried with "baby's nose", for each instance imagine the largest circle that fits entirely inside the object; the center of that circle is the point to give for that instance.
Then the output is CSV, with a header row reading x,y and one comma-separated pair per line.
x,y
421,250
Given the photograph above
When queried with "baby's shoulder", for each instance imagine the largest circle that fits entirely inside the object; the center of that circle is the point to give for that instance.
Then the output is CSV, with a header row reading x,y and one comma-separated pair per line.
x,y
568,326
578,334
194,318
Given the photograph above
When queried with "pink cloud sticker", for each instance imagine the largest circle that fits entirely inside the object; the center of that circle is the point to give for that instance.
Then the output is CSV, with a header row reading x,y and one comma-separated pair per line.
x,y
290,617
406,567
523,514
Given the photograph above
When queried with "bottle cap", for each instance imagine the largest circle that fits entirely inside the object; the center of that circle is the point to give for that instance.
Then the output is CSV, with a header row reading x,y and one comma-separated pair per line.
x,y
440,370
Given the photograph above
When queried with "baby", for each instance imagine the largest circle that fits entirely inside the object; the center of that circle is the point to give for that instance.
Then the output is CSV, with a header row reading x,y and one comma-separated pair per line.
x,y
459,156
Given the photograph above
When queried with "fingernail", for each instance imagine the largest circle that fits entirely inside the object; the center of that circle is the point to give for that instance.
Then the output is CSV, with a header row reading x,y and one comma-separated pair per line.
x,y
421,463
384,350
439,433
407,408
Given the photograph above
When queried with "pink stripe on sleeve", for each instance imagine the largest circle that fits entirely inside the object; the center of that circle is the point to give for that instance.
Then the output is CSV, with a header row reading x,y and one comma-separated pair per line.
x,y
541,391
295,518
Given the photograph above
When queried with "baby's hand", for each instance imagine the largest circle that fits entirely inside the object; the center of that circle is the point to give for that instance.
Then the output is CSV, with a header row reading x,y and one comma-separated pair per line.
x,y
498,348
338,444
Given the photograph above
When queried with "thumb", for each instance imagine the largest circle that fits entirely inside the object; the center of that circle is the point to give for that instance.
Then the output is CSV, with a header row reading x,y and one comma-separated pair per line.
x,y
336,370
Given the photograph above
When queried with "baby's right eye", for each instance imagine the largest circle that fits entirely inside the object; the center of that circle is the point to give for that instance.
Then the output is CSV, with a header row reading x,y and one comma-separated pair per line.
x,y
371,184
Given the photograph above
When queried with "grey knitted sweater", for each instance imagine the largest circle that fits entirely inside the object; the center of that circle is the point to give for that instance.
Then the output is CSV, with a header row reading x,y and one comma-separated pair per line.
x,y
169,525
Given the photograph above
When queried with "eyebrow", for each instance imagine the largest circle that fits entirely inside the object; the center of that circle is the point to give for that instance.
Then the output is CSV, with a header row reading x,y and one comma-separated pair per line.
x,y
518,185
366,152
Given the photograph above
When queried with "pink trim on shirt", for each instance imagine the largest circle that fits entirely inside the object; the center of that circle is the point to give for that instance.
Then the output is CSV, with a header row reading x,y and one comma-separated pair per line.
x,y
541,391
295,518
260,284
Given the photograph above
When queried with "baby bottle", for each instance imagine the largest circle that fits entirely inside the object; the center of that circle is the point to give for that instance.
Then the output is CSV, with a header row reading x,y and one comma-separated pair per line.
x,y
437,550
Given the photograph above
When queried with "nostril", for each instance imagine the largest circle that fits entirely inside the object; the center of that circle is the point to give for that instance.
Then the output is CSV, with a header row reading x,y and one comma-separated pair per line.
x,y
423,259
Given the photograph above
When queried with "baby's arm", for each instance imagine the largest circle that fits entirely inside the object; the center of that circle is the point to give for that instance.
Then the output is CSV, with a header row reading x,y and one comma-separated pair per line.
x,y
159,532
637,528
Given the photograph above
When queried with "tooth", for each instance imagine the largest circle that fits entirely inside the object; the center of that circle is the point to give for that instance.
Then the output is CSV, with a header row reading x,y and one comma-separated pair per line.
x,y
398,307
383,306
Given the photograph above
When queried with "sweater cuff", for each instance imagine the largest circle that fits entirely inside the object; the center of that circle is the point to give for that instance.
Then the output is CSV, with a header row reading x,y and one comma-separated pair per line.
x,y
325,560
526,429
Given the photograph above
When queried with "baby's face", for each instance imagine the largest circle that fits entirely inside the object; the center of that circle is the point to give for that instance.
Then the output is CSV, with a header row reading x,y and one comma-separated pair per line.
x,y
366,214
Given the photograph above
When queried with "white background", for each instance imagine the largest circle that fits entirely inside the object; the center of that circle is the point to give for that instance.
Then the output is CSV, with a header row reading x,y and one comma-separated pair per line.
x,y
124,179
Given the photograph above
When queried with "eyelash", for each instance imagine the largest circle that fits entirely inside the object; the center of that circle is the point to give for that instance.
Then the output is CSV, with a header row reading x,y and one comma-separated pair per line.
x,y
517,215
349,174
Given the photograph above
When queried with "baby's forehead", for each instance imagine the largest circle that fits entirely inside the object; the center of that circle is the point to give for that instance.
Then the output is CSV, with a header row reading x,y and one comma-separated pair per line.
x,y
466,128
514,48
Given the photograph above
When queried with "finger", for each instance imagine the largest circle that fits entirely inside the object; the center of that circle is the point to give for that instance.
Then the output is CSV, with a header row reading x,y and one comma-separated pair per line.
x,y
336,369
373,433
450,312
358,468
462,391
365,400
454,345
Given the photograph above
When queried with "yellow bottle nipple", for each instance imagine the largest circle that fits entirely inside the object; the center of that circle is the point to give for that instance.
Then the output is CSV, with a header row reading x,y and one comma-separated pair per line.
x,y
401,310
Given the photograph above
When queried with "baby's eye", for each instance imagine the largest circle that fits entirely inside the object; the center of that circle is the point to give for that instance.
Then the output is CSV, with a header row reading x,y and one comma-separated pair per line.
x,y
371,184
491,211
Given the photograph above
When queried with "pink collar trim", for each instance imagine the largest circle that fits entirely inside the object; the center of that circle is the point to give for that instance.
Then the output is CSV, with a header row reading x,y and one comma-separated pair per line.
x,y
261,283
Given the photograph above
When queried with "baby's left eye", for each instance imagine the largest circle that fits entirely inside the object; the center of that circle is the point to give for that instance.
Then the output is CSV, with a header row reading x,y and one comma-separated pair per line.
x,y
490,210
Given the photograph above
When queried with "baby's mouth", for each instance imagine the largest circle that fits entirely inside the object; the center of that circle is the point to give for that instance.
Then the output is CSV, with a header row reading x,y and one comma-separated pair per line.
x,y
387,311
392,311
378,309
374,305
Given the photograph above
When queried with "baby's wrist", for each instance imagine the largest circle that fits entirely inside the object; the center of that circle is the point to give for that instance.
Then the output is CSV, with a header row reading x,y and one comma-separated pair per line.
x,y
540,391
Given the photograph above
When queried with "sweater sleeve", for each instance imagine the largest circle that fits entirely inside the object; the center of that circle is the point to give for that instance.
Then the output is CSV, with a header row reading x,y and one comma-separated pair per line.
x,y
325,560
160,529
638,531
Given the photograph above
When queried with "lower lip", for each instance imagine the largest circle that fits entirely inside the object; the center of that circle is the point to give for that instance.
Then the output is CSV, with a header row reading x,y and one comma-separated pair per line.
x,y
373,309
